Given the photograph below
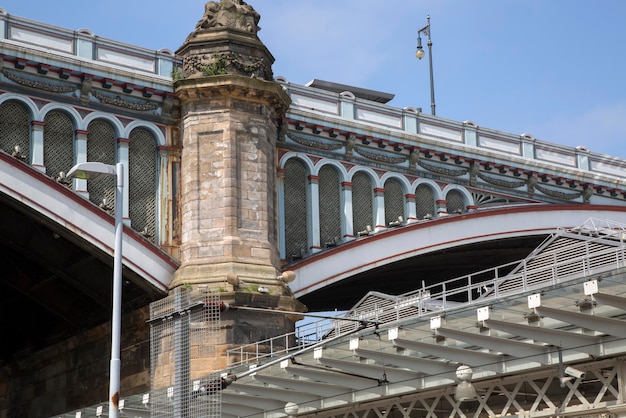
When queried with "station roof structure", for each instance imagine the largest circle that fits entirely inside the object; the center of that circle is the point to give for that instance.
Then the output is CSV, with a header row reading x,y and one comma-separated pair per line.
x,y
562,305
361,93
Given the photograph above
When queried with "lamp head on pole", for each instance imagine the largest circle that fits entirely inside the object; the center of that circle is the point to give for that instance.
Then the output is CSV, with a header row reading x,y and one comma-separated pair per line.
x,y
420,51
426,31
91,171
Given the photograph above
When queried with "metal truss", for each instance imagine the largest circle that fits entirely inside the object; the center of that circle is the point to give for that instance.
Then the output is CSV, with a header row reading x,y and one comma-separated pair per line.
x,y
540,394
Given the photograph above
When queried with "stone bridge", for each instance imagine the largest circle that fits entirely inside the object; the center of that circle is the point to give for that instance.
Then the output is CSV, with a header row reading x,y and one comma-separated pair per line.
x,y
362,196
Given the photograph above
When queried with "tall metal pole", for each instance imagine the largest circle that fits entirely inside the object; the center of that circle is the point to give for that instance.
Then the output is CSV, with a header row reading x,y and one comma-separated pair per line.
x,y
430,63
95,171
420,54
116,319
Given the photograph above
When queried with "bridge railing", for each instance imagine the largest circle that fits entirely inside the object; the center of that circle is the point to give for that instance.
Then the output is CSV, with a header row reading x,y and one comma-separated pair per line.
x,y
85,45
554,266
438,132
304,336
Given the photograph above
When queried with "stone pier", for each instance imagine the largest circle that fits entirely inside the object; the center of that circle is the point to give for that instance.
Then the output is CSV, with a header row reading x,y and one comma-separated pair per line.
x,y
231,111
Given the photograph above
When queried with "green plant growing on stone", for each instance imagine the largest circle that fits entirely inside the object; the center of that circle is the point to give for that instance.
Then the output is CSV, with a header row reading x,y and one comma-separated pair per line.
x,y
217,67
252,288
177,74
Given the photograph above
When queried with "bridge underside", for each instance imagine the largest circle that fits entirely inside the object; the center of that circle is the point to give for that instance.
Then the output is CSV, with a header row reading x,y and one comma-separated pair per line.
x,y
54,284
409,274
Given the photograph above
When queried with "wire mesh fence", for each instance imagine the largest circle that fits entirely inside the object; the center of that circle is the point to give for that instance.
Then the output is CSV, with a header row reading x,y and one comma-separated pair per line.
x,y
184,329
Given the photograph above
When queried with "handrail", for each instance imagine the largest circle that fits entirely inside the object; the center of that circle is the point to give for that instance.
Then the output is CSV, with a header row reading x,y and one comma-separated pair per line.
x,y
304,336
547,268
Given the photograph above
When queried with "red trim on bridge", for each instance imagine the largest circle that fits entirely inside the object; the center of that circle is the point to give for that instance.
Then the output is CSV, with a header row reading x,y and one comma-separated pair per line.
x,y
370,240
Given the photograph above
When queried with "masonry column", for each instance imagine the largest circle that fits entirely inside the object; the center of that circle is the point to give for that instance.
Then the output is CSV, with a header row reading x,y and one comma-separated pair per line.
x,y
230,111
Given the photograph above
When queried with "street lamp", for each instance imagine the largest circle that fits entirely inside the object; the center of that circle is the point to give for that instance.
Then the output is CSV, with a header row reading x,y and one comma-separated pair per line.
x,y
420,54
96,171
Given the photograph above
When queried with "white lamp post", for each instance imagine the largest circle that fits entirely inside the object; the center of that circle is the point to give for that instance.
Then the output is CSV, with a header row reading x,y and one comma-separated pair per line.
x,y
96,171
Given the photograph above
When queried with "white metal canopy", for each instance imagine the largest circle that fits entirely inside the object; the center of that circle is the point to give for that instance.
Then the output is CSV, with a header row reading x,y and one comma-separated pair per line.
x,y
422,337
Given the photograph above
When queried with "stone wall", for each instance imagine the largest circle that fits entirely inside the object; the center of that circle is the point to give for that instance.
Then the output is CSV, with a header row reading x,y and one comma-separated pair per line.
x,y
228,186
74,373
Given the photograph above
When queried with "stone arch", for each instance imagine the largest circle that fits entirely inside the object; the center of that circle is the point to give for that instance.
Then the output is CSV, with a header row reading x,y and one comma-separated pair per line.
x,y
158,134
427,193
303,158
27,102
457,197
376,181
58,140
341,169
296,202
77,120
142,179
112,120
364,181
330,179
406,184
16,115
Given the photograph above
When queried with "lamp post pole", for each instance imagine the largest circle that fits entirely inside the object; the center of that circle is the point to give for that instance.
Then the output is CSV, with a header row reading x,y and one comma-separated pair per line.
x,y
116,319
95,171
420,54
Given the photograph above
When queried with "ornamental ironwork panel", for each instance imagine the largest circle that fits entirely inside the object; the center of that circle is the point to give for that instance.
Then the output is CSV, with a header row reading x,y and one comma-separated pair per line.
x,y
58,145
394,201
101,146
15,128
142,188
455,202
362,202
330,206
296,231
424,201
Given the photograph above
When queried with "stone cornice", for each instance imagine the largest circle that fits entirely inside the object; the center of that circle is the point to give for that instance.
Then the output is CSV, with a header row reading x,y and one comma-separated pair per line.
x,y
233,87
97,70
222,36
225,50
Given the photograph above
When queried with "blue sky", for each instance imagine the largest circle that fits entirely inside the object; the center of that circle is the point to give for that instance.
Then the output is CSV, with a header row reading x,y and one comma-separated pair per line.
x,y
551,68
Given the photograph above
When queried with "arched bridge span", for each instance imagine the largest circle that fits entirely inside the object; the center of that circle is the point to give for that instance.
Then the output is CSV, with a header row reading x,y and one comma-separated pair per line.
x,y
401,259
56,205
56,249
